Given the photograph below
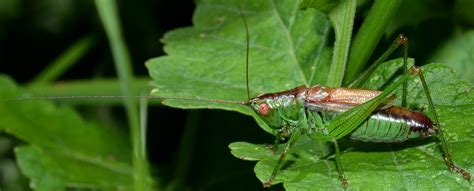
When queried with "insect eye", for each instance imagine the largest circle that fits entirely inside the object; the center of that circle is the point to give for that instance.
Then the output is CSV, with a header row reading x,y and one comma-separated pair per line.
x,y
263,109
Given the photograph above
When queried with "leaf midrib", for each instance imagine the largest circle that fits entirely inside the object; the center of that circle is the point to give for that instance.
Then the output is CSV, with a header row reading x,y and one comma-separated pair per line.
x,y
287,33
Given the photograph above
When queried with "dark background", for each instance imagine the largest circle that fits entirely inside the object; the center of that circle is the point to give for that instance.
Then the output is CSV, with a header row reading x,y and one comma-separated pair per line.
x,y
34,33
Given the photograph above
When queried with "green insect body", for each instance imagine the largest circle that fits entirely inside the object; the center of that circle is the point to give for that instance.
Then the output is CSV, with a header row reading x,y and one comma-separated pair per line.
x,y
392,124
291,109
387,125
328,114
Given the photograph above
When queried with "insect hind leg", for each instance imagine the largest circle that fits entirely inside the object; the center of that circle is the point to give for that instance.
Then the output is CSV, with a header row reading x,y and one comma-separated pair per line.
x,y
443,143
400,40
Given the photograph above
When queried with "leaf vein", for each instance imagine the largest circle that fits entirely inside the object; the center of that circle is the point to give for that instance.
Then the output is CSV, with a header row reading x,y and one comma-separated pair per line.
x,y
292,51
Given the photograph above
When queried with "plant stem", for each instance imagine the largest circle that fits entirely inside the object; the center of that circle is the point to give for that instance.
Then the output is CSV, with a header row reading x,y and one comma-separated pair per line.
x,y
109,15
342,19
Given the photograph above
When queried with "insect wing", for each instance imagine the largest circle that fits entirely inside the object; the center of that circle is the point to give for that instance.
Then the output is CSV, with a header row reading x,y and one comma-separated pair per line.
x,y
346,122
328,99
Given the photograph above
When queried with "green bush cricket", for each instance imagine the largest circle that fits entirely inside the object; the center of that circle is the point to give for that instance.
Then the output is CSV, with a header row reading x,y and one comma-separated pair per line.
x,y
300,117
311,111
294,112
365,115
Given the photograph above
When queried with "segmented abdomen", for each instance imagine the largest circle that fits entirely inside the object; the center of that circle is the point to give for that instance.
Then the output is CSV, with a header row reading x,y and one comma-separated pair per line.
x,y
394,124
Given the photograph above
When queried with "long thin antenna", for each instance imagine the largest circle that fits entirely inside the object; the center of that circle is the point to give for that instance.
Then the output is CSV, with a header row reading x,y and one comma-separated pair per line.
x,y
121,97
247,54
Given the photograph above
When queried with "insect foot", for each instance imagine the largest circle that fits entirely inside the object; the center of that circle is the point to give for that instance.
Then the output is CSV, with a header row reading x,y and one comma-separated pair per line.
x,y
344,182
466,174
267,184
273,148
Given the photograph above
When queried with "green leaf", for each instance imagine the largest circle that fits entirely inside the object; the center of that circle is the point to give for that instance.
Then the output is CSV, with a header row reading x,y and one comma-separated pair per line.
x,y
457,54
66,151
287,46
208,61
322,5
370,166
58,170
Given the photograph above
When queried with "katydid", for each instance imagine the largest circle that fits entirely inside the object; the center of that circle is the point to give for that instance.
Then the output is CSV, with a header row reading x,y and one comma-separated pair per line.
x,y
328,114
304,110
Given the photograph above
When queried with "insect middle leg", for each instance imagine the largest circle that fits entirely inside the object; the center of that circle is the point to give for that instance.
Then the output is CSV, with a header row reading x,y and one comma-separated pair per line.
x,y
340,169
316,121
279,136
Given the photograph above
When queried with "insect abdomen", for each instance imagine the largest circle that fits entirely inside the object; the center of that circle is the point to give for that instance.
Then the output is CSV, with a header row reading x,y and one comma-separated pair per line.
x,y
394,124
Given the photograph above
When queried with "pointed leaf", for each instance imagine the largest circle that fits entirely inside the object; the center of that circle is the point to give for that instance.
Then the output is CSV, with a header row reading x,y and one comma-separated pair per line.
x,y
57,171
208,60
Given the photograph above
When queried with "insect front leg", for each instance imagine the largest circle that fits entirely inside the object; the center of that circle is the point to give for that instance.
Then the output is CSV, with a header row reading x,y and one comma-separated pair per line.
x,y
280,135
278,138
295,136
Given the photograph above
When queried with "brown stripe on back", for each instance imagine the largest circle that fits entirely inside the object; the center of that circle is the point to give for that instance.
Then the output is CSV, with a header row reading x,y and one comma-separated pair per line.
x,y
340,95
300,90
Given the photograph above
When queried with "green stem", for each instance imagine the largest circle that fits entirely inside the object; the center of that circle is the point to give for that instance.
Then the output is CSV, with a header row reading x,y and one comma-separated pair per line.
x,y
143,125
369,35
109,15
342,19
66,60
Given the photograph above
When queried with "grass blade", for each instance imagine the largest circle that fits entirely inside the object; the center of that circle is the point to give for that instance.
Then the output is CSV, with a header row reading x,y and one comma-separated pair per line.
x,y
369,35
109,15
66,60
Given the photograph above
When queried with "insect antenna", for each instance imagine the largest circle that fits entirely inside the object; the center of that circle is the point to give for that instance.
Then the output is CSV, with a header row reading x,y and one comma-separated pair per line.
x,y
247,38
122,97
